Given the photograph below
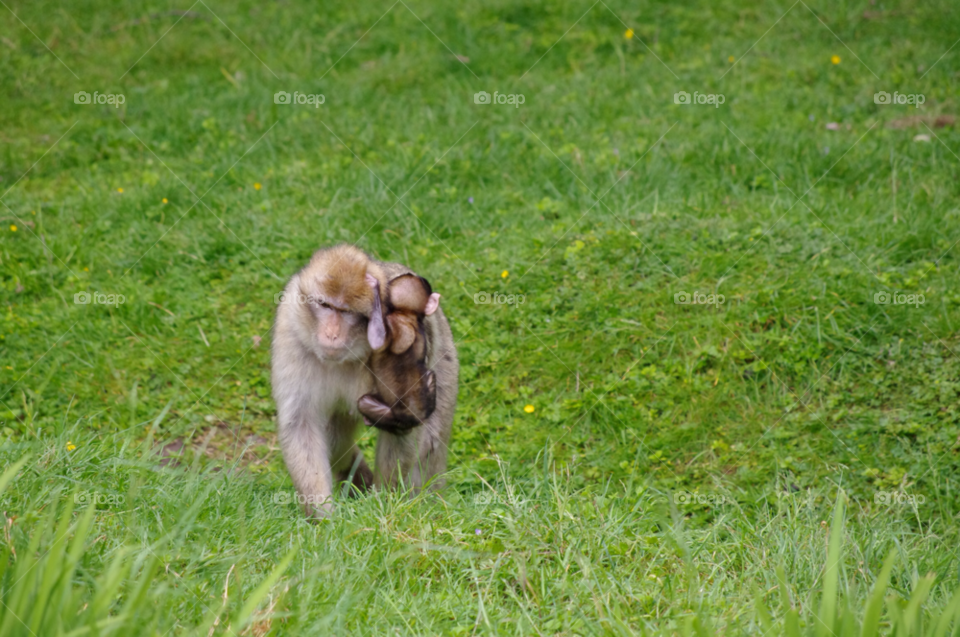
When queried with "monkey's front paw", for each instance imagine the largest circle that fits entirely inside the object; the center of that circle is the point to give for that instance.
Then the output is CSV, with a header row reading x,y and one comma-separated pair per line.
x,y
318,508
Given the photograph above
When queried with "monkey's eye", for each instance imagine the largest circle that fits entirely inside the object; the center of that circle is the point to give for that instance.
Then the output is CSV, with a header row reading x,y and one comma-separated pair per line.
x,y
319,303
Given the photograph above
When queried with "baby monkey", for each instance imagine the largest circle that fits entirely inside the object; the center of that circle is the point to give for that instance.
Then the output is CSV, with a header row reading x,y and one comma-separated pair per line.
x,y
406,391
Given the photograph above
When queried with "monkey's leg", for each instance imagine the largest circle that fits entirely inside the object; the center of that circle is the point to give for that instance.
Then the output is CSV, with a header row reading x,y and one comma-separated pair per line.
x,y
346,457
431,459
357,474
306,453
393,455
415,459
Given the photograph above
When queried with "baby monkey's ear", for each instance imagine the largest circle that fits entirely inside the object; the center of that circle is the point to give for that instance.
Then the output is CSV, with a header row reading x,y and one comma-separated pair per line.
x,y
433,302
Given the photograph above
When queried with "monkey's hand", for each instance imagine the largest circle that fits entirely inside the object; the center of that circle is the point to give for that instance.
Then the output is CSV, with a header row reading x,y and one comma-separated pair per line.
x,y
377,414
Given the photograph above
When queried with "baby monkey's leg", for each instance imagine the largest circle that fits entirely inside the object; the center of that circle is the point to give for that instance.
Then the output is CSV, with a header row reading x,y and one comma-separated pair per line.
x,y
377,414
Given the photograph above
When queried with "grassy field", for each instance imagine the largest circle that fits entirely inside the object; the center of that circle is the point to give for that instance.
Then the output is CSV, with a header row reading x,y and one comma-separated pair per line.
x,y
624,461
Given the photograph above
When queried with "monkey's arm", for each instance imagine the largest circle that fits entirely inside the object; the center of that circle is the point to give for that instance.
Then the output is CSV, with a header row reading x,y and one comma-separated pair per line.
x,y
303,431
306,453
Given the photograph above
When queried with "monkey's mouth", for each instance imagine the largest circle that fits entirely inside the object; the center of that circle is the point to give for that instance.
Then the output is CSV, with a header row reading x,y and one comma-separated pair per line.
x,y
337,354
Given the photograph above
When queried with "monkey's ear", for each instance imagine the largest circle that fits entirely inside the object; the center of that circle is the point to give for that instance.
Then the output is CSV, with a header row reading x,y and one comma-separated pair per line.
x,y
432,304
403,331
376,328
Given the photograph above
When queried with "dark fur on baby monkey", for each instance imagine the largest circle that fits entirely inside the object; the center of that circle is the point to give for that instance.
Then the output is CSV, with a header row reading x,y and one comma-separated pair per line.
x,y
406,390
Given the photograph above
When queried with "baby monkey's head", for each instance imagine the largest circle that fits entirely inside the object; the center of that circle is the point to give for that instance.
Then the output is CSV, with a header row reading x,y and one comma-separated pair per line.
x,y
408,300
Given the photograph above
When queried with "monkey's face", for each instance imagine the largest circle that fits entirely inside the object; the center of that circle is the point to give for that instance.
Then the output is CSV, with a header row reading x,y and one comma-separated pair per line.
x,y
336,331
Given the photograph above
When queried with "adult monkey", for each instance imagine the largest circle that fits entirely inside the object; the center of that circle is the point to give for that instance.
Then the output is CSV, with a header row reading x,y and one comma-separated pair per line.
x,y
319,371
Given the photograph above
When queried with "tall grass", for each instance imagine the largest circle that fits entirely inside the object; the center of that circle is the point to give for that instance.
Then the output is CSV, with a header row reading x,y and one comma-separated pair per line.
x,y
196,551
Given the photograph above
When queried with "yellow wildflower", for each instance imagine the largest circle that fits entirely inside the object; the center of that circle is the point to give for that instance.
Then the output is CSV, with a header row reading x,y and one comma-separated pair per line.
x,y
529,409
835,59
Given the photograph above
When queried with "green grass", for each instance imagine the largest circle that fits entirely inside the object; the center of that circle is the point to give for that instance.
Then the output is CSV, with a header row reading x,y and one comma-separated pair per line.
x,y
598,200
